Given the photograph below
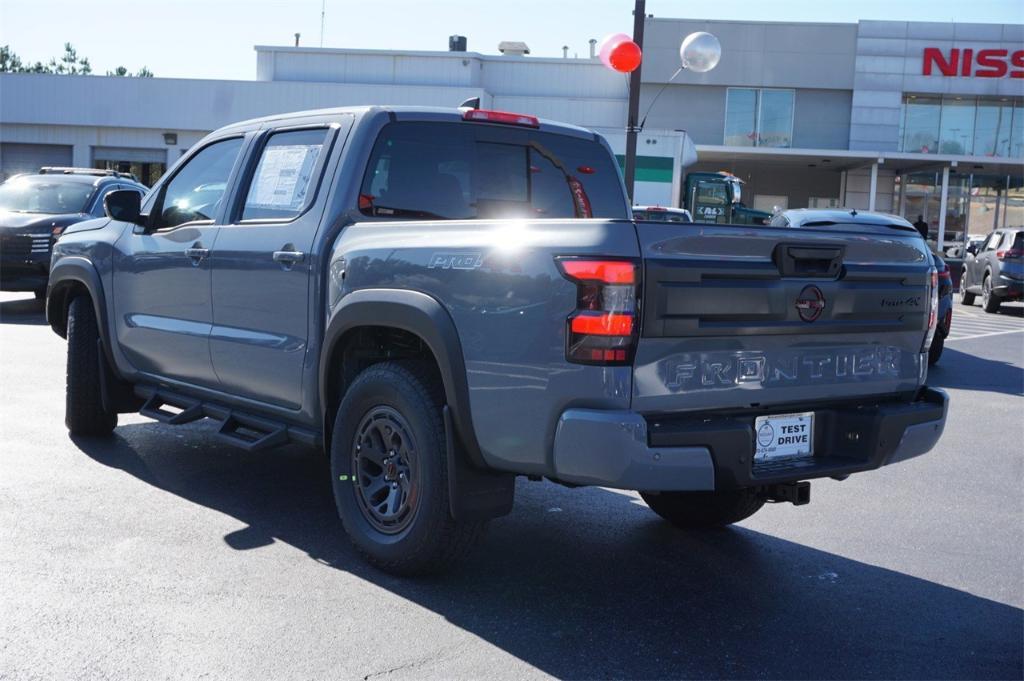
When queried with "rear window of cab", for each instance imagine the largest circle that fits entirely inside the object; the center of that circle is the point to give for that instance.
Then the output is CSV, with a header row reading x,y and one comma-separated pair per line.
x,y
460,171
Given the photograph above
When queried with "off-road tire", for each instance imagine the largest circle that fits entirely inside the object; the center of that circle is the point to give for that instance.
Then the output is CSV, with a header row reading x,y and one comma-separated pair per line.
x,y
935,351
699,510
84,413
432,540
991,301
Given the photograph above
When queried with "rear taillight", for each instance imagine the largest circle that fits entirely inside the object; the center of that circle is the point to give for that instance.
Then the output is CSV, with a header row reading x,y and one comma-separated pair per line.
x,y
604,327
505,117
1011,253
933,308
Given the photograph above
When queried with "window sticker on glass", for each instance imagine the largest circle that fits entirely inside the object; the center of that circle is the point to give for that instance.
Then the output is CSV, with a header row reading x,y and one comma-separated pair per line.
x,y
283,176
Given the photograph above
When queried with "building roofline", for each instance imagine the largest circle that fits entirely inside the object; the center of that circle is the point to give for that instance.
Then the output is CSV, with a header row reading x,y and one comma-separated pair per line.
x,y
748,22
824,23
438,54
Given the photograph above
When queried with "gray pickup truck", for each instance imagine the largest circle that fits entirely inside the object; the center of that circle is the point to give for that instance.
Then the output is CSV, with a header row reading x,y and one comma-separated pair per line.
x,y
444,299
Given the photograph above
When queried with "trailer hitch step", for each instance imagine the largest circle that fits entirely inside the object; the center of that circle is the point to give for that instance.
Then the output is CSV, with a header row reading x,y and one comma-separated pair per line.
x,y
796,493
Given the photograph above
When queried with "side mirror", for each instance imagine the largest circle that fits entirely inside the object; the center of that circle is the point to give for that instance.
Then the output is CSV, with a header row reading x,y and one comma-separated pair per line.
x,y
972,249
124,205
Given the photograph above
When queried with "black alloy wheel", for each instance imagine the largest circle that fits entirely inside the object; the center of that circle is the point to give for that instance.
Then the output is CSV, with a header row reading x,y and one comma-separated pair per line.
x,y
384,467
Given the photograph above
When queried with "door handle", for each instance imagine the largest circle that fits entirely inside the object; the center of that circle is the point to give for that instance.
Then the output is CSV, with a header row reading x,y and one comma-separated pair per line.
x,y
289,257
196,253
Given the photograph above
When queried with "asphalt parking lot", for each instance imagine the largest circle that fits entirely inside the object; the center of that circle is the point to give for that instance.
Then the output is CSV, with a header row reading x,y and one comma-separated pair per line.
x,y
159,554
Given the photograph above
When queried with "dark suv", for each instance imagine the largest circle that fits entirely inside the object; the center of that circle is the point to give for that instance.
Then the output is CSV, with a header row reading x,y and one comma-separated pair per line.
x,y
995,269
35,209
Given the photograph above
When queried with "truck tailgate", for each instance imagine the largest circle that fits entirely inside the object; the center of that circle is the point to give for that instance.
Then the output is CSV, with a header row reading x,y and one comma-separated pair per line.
x,y
739,317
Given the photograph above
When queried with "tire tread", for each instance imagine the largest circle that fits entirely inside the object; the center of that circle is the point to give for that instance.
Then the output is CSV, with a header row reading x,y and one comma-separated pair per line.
x,y
446,541
84,413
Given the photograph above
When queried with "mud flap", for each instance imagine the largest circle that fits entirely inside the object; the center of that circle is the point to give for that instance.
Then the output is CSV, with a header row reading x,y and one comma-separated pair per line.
x,y
116,395
475,494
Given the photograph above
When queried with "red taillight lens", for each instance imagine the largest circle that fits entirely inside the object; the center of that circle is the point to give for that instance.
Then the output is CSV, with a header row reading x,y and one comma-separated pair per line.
x,y
933,309
505,117
1012,253
603,329
603,271
933,316
602,324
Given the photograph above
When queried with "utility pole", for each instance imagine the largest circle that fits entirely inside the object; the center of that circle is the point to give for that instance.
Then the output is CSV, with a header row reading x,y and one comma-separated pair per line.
x,y
323,12
639,13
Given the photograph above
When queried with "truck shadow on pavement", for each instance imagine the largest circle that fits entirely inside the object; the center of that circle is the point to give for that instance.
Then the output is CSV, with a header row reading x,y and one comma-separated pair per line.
x,y
588,583
23,311
964,371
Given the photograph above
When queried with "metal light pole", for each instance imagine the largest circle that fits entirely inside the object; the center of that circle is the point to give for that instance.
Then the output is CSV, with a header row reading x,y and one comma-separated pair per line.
x,y
634,99
698,52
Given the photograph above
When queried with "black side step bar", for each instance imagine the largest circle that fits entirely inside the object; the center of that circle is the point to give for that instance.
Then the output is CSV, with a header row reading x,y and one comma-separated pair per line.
x,y
246,431
187,410
250,433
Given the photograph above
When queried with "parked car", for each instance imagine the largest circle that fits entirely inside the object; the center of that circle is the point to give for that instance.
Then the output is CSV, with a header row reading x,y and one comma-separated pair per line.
x,y
959,250
661,214
994,270
945,314
36,208
375,282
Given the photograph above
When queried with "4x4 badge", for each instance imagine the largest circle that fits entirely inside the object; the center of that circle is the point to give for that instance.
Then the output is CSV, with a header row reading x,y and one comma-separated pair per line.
x,y
810,303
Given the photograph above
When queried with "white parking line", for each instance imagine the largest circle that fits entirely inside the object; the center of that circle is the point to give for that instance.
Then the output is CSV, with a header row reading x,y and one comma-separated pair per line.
x,y
982,335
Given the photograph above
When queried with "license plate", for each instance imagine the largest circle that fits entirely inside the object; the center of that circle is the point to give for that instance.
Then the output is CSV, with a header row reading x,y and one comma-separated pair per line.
x,y
783,436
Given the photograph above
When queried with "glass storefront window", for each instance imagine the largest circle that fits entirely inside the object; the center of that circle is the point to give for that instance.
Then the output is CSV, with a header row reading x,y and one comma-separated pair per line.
x,y
963,126
762,118
992,128
740,117
1017,131
921,124
775,125
956,134
976,204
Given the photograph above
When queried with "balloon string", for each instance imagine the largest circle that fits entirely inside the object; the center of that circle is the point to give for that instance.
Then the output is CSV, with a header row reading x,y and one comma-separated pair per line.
x,y
651,105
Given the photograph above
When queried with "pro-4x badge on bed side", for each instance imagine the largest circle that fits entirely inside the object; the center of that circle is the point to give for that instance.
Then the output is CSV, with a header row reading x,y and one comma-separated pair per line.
x,y
810,303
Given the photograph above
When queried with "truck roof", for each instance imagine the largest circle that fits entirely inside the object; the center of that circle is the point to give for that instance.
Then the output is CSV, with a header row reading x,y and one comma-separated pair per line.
x,y
409,112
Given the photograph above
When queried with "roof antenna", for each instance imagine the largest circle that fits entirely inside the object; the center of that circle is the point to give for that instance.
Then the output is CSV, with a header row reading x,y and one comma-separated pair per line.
x,y
471,103
853,212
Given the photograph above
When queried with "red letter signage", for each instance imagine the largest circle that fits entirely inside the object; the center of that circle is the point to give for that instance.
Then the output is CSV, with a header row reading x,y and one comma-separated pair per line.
x,y
933,55
989,63
993,63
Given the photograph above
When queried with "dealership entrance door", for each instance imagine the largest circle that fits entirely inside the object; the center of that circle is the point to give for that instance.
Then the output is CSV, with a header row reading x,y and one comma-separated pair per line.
x,y
147,165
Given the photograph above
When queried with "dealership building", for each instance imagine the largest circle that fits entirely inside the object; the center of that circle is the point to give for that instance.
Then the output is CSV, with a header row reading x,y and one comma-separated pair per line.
x,y
916,118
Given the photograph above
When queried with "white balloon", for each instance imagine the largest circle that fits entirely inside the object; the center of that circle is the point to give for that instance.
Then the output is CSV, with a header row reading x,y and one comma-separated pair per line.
x,y
700,52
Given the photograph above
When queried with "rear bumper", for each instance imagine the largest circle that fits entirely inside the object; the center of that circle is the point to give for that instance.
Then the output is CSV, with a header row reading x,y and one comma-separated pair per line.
x,y
1008,287
623,449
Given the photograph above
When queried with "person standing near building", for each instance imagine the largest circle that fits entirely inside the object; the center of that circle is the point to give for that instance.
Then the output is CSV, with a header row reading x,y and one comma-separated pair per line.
x,y
922,227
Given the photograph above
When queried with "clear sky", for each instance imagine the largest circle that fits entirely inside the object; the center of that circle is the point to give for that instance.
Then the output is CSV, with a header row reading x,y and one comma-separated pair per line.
x,y
214,38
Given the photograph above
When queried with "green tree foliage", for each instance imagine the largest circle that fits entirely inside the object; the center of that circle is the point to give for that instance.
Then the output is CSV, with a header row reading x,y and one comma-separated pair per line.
x,y
69,64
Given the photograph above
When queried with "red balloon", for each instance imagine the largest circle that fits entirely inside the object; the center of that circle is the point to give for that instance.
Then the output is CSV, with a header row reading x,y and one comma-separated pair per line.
x,y
625,57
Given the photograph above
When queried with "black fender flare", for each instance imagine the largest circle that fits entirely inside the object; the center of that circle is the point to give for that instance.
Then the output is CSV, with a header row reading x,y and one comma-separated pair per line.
x,y
67,273
424,316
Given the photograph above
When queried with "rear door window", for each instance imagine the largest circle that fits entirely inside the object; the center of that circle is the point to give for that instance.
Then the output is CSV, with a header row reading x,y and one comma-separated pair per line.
x,y
451,171
286,177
